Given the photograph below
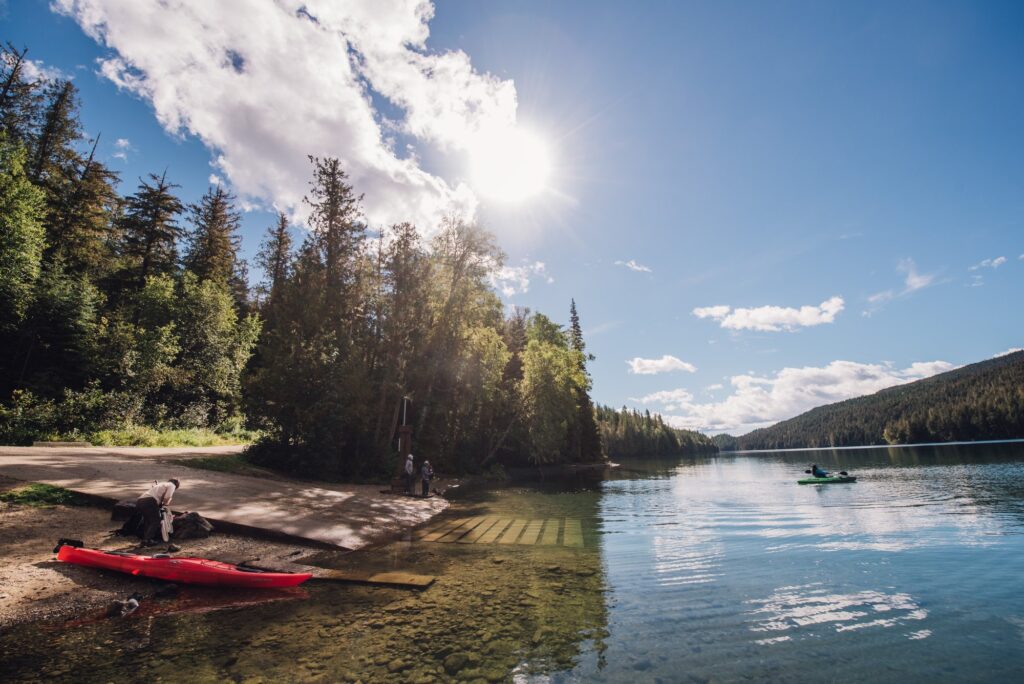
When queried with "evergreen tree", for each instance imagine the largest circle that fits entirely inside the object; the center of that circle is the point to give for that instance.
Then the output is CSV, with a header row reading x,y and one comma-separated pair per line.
x,y
151,230
585,440
20,99
212,250
21,235
275,258
336,222
83,203
54,145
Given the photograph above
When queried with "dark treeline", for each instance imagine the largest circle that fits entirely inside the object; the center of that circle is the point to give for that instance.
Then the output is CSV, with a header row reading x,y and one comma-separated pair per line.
x,y
627,433
134,309
726,442
981,401
355,321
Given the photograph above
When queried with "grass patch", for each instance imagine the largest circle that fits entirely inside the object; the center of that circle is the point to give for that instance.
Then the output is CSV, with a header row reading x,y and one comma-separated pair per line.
x,y
142,436
42,495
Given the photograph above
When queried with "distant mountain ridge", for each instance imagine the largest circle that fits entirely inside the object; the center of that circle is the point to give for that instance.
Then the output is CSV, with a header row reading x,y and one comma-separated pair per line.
x,y
983,400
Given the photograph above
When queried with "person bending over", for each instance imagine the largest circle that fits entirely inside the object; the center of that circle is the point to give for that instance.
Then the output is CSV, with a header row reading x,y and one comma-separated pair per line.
x,y
149,506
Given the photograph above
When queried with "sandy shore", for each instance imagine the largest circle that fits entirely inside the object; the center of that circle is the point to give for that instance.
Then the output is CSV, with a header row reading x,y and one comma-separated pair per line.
x,y
34,586
349,516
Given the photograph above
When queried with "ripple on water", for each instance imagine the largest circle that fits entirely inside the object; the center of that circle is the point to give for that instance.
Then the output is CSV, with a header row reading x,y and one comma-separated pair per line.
x,y
803,611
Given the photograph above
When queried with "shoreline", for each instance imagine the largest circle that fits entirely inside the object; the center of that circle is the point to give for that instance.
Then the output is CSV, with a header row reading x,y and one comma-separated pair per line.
x,y
34,586
1017,440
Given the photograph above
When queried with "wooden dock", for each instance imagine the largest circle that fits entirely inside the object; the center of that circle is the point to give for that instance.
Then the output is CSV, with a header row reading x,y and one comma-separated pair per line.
x,y
498,530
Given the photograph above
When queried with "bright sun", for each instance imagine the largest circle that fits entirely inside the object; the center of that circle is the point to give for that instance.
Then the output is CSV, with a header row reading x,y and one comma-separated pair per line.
x,y
511,165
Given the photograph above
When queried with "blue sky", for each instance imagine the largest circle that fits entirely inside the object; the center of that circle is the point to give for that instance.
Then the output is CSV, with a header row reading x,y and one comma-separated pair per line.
x,y
767,205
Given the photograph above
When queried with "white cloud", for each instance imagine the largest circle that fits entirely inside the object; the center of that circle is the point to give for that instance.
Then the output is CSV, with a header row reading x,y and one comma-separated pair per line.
x,y
757,401
666,364
773,318
513,280
34,70
634,266
716,386
670,400
122,147
716,312
988,263
1011,350
263,84
912,282
214,179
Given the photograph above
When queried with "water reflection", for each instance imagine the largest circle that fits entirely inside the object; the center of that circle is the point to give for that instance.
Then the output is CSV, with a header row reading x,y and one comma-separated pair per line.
x,y
801,609
713,569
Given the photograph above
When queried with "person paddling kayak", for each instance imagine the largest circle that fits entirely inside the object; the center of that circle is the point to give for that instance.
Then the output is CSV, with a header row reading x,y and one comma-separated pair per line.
x,y
818,472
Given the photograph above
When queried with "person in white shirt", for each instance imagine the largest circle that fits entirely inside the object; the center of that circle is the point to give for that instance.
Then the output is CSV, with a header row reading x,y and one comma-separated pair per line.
x,y
149,506
410,473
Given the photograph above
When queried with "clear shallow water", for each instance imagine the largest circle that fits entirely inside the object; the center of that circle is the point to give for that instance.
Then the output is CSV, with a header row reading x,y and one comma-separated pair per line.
x,y
716,569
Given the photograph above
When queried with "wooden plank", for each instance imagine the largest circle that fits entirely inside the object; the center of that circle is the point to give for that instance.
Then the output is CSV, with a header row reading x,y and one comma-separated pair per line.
x,y
512,535
495,530
444,529
550,537
531,532
389,579
573,533
474,534
430,529
461,530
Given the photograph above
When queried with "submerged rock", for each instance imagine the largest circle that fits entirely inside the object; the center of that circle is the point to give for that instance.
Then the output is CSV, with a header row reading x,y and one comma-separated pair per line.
x,y
455,662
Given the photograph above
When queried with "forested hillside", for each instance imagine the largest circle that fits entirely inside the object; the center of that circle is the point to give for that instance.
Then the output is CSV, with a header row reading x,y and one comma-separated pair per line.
x,y
131,310
631,434
981,401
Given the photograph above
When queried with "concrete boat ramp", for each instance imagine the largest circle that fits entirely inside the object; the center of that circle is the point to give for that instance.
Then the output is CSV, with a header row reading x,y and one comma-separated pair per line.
x,y
346,516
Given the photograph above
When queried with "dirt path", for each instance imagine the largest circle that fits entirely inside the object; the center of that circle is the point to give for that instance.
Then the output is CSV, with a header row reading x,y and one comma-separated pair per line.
x,y
348,516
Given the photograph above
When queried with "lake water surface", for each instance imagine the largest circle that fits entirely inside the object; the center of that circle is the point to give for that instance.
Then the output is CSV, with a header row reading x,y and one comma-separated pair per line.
x,y
710,569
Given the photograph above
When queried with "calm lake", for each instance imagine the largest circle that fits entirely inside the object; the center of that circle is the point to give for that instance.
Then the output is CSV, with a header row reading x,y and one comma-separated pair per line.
x,y
713,569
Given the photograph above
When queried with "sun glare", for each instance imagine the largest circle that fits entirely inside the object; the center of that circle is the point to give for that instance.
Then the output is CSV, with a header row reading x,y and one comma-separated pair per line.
x,y
511,165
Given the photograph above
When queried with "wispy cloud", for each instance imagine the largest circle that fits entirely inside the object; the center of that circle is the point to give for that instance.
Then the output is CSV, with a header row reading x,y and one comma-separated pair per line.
x,y
912,282
716,386
264,86
1011,350
988,263
513,280
757,401
634,266
773,318
666,364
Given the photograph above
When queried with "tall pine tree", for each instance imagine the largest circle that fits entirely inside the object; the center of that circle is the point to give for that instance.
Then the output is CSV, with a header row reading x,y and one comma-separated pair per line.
x,y
212,250
151,229
586,441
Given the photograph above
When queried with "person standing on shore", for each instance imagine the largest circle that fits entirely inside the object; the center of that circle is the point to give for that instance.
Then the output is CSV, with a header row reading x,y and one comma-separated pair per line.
x,y
149,506
410,476
426,473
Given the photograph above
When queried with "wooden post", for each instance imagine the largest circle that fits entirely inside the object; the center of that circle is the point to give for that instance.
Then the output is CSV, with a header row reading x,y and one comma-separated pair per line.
x,y
404,447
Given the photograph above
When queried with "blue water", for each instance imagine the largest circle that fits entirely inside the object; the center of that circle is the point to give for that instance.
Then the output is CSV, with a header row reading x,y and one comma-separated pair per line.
x,y
726,569
718,569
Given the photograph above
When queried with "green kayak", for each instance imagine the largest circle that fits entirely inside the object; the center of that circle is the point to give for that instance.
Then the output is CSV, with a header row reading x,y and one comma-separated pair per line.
x,y
827,480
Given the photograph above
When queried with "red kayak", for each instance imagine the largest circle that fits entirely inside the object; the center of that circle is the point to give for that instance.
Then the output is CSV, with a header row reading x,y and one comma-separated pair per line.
x,y
184,570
